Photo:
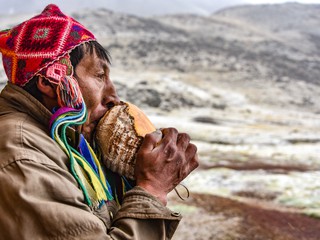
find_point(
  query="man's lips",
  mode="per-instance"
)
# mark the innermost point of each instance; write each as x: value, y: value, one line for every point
x: 93, y: 124
x: 94, y: 119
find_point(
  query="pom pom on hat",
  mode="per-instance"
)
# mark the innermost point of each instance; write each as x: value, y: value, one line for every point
x: 31, y: 47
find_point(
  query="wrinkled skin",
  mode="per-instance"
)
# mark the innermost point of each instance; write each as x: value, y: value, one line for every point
x: 97, y: 90
x: 165, y: 158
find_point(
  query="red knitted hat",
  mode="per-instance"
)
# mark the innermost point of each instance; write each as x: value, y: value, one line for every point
x: 33, y: 46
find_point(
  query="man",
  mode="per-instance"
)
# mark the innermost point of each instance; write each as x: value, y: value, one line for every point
x: 52, y: 185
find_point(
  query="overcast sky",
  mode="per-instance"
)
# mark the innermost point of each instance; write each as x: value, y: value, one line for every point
x: 138, y: 7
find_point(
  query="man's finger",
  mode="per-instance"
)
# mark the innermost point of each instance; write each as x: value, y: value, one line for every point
x: 151, y: 140
x: 191, y: 151
x: 183, y: 141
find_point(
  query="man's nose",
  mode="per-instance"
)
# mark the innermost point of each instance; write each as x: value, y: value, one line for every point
x: 111, y: 98
x: 112, y: 101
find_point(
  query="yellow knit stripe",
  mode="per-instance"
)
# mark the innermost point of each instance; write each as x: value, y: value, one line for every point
x: 95, y: 181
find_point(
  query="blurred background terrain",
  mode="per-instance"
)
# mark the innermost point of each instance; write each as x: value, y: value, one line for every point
x: 243, y: 81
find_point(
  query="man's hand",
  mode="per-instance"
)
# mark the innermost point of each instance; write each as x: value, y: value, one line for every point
x: 165, y: 158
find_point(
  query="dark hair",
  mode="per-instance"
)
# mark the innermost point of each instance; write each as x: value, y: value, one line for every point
x: 76, y: 56
x: 31, y: 87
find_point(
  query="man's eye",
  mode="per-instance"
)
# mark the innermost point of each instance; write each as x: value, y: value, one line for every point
x: 101, y: 75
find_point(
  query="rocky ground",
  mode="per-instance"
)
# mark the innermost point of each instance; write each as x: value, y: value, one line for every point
x: 209, y: 216
x: 259, y: 163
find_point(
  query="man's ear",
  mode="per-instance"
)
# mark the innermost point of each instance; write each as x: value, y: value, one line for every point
x: 46, y: 88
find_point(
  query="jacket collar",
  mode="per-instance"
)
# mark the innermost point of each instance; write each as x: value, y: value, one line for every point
x: 18, y: 100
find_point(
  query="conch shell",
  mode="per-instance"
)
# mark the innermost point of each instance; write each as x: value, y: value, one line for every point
x: 119, y: 135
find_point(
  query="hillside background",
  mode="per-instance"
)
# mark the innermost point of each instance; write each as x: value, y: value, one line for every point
x: 244, y: 83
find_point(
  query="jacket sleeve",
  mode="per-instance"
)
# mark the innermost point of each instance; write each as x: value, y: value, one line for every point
x: 40, y: 201
x: 145, y: 216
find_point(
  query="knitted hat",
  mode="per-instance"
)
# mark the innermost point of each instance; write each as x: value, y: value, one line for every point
x: 40, y: 46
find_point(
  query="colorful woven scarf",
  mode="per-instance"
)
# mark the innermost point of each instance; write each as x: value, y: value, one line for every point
x: 92, y: 181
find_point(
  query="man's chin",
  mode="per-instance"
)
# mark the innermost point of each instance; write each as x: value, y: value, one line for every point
x: 88, y: 131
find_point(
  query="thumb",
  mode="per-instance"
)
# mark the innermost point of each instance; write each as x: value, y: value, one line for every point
x: 151, y: 140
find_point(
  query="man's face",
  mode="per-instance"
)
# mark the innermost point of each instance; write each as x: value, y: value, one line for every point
x: 97, y: 89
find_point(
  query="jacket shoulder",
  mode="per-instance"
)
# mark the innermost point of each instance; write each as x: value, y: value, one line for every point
x: 22, y: 137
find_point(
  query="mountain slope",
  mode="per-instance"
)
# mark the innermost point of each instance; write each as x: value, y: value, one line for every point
x: 253, y: 48
x: 227, y: 41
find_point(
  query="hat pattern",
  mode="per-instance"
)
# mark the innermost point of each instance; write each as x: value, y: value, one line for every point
x: 38, y: 42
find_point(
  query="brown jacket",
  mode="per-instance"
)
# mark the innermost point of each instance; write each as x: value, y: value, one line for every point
x: 40, y: 199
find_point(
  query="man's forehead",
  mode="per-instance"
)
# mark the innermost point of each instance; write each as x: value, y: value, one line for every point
x: 92, y: 58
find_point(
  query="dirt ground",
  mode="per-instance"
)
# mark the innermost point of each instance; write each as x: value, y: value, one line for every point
x: 218, y: 218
